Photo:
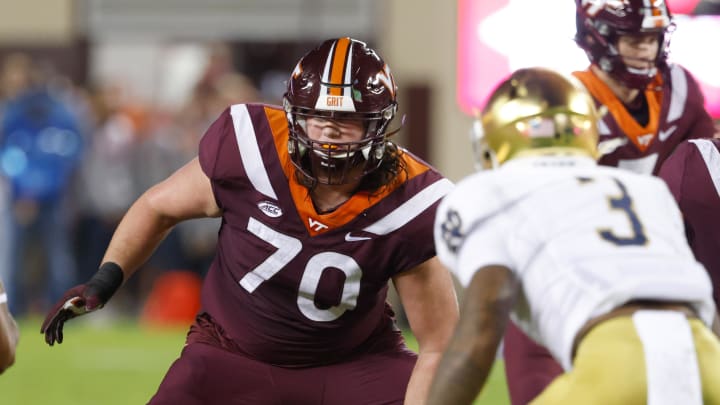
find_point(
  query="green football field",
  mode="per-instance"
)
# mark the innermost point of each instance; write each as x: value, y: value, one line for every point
x: 114, y: 363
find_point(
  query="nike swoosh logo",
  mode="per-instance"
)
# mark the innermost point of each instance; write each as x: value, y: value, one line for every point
x: 663, y: 135
x: 350, y: 238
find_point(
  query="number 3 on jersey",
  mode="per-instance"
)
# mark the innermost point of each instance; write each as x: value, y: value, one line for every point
x: 624, y: 203
x: 289, y: 247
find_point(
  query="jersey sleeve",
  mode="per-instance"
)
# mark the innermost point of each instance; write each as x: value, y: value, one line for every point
x: 703, y: 125
x: 218, y: 152
x: 682, y: 178
x: 418, y: 246
x: 416, y: 238
x: 470, y: 232
x: 484, y: 246
x: 673, y: 169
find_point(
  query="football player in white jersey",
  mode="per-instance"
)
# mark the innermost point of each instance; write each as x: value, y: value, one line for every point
x: 590, y: 261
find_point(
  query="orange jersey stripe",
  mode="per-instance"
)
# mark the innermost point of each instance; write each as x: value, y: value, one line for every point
x: 641, y: 136
x: 339, y: 62
x: 301, y: 196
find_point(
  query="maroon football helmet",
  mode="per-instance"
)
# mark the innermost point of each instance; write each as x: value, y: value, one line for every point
x: 340, y: 79
x: 601, y: 22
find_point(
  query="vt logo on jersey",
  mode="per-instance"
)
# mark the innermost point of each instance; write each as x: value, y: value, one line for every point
x: 644, y: 140
x: 316, y: 226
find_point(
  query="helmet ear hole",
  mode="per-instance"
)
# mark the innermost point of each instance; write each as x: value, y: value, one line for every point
x: 485, y: 158
x: 488, y: 157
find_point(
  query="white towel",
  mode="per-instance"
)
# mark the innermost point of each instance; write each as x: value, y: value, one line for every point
x: 671, y: 365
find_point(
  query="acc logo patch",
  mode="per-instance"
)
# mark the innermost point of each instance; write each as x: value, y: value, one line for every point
x: 451, y: 230
x: 270, y: 209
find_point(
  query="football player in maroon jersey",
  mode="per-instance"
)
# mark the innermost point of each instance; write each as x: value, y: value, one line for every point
x: 693, y: 174
x: 651, y: 106
x: 319, y: 211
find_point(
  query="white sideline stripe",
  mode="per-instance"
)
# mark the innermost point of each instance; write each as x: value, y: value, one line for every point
x: 411, y: 208
x: 250, y: 150
x: 679, y: 93
x: 711, y: 156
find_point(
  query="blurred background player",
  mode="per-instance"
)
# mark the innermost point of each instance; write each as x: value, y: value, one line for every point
x: 693, y: 174
x: 319, y: 211
x: 652, y: 104
x: 9, y: 333
x: 590, y: 261
x: 648, y: 106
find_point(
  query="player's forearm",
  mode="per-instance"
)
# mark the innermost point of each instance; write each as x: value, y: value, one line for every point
x: 421, y: 378
x: 138, y: 235
x: 461, y: 377
x: 469, y: 357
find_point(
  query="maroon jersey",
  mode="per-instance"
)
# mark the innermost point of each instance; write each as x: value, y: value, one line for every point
x: 693, y: 175
x: 293, y: 287
x: 676, y: 113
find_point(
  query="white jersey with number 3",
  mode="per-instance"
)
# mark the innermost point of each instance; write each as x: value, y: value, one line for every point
x: 583, y: 239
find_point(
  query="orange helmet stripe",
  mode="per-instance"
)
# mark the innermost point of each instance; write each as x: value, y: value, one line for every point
x: 339, y: 64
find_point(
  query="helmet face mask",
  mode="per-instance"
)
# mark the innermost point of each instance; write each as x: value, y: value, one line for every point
x: 342, y: 79
x: 601, y: 23
x: 334, y: 162
x: 535, y: 111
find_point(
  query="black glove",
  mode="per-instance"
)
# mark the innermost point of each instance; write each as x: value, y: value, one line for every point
x: 82, y: 299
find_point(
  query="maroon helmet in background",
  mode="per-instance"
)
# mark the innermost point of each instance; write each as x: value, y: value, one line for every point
x: 601, y: 22
x: 340, y: 79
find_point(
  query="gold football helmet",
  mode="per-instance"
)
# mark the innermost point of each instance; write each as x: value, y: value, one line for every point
x: 535, y: 111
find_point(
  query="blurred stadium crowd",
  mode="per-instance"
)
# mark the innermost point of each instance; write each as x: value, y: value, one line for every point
x: 61, y: 145
x: 99, y: 100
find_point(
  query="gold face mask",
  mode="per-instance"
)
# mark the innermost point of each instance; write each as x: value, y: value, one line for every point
x: 535, y: 111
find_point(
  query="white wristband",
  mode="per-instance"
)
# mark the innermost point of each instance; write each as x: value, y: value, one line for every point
x: 3, y: 298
